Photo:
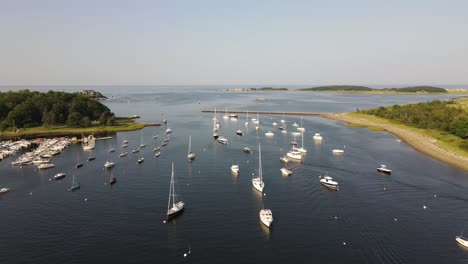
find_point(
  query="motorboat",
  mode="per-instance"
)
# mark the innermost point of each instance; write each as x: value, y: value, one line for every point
x: 111, y: 150
x: 233, y: 116
x: 223, y: 140
x: 269, y: 134
x: 274, y: 123
x: 157, y: 154
x: 317, y: 137
x: 59, y: 176
x: 286, y: 172
x: 168, y: 131
x: 46, y: 166
x: 266, y: 217
x: 108, y: 164
x: 235, y: 169
x: 239, y: 132
x: 338, y: 151
x: 295, y: 124
x: 123, y: 154
x: 140, y: 160
x: 462, y: 241
x: 329, y: 182
x: 4, y: 190
x: 173, y: 208
x: 157, y: 149
x: 247, y: 150
x: 294, y: 155
x: 135, y: 150
x: 384, y: 169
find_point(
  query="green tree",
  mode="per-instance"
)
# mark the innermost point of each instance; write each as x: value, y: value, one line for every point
x: 459, y: 127
x: 74, y: 119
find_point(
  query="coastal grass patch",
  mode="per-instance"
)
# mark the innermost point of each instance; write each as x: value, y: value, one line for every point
x: 443, y: 139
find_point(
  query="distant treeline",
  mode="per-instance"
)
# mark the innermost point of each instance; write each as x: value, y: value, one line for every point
x: 268, y: 89
x: 353, y: 88
x: 441, y: 115
x: 25, y: 109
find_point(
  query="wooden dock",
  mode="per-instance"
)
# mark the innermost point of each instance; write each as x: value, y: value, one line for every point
x: 267, y: 112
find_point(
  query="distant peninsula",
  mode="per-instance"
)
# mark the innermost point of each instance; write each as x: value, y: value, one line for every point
x: 351, y: 89
x: 94, y: 94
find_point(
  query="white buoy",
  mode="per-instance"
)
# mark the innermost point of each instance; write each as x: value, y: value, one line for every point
x: 50, y: 179
x: 264, y: 194
x: 424, y: 207
x: 336, y: 217
x: 86, y: 199
x: 30, y: 193
x: 344, y: 243
x: 395, y: 219
x: 164, y: 221
x: 185, y: 255
x: 435, y: 195
x: 384, y: 189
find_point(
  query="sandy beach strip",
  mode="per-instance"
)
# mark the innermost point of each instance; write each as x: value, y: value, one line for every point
x: 419, y: 142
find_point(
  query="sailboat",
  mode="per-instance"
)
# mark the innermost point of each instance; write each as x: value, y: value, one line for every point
x: 141, y: 144
x: 190, y: 154
x: 301, y: 128
x: 215, y: 128
x: 302, y: 149
x: 88, y: 143
x: 225, y: 116
x: 257, y: 122
x: 75, y: 185
x: 247, y: 119
x: 78, y: 164
x: 173, y: 208
x: 282, y: 120
x: 257, y: 182
x: 266, y: 217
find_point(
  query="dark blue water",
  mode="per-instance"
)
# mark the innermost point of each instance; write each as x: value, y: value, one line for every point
x: 373, y: 218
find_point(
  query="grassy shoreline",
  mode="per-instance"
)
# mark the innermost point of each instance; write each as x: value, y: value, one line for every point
x: 123, y: 124
x: 437, y: 144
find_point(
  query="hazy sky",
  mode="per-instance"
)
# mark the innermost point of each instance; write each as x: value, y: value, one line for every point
x: 236, y: 42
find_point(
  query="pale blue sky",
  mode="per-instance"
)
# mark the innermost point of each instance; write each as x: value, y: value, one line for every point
x: 200, y: 42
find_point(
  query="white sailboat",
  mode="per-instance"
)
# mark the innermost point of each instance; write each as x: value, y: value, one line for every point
x: 247, y: 119
x: 225, y: 116
x: 257, y: 123
x: 301, y: 128
x: 173, y: 208
x: 88, y: 143
x: 215, y: 127
x: 302, y: 149
x: 190, y: 154
x: 257, y: 181
x: 141, y: 141
x: 282, y: 120
x: 266, y: 217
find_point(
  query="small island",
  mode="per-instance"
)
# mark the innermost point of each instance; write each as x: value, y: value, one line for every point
x: 33, y: 114
x: 353, y: 88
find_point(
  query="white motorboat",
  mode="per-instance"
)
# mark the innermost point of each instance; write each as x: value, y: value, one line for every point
x: 157, y: 154
x: 266, y: 217
x: 286, y: 172
x: 190, y: 154
x: 111, y: 150
x: 294, y: 155
x: 235, y: 169
x: 59, y: 176
x: 269, y: 134
x: 239, y: 132
x: 384, y: 169
x: 223, y: 140
x: 46, y: 166
x: 233, y: 116
x: 4, y: 190
x: 108, y: 164
x: 462, y: 240
x: 247, y: 150
x: 140, y: 160
x: 329, y: 182
x: 257, y: 181
x: 123, y: 154
x: 88, y: 143
x: 295, y: 124
x: 338, y: 151
x: 173, y: 208
x: 317, y: 137
x: 135, y: 150
x: 40, y: 161
x: 275, y: 124
x: 168, y: 131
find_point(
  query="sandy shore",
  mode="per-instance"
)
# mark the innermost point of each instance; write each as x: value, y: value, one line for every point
x: 419, y: 142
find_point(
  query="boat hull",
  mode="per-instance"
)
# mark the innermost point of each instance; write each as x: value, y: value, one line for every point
x: 462, y: 241
x: 329, y: 185
x: 257, y: 184
x: 171, y: 213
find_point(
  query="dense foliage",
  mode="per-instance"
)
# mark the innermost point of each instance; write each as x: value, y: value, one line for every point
x: 352, y: 88
x: 440, y: 115
x: 26, y: 109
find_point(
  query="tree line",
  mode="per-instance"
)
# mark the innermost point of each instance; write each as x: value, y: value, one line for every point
x: 440, y: 115
x: 26, y: 109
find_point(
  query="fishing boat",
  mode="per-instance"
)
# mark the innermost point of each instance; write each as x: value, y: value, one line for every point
x: 247, y: 150
x: 257, y: 181
x: 235, y: 169
x: 75, y: 185
x: 190, y: 154
x: 328, y: 181
x: 46, y: 166
x: 383, y: 168
x: 123, y: 154
x: 59, y: 176
x: 266, y: 217
x: 173, y: 208
x: 285, y: 172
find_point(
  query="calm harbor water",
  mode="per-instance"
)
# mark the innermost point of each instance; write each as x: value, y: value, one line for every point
x: 373, y: 218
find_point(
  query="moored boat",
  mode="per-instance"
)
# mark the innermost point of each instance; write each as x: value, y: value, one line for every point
x: 383, y: 168
x: 59, y: 176
x: 266, y: 217
x: 329, y: 182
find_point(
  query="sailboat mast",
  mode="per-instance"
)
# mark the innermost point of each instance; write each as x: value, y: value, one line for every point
x: 173, y: 189
x: 170, y: 187
x: 260, y: 163
x: 189, y: 145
